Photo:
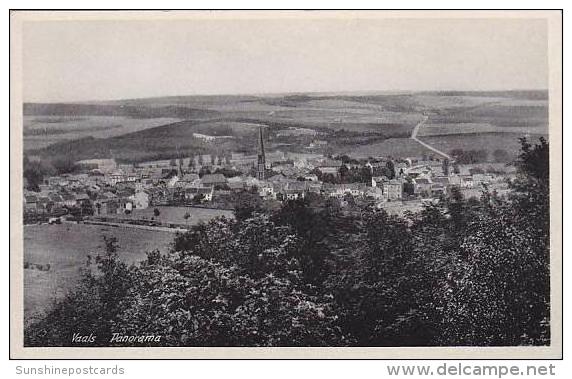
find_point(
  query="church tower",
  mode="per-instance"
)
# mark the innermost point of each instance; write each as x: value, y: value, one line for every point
x: 261, y: 156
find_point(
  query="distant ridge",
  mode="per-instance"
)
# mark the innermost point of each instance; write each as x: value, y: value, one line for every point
x: 134, y: 111
x: 536, y: 94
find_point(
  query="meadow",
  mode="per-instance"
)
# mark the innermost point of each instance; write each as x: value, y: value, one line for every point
x: 42, y: 131
x: 481, y: 141
x: 176, y: 215
x: 393, y: 147
x: 385, y: 120
x: 66, y: 248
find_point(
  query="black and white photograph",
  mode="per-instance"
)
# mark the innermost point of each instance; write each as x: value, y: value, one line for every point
x: 287, y: 179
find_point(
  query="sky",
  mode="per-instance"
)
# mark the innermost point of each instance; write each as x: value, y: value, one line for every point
x: 107, y: 60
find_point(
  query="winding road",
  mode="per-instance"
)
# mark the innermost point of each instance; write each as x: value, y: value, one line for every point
x: 414, y: 137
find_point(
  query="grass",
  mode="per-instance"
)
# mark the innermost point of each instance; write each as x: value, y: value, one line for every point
x: 66, y: 248
x: 391, y: 116
x: 471, y: 128
x: 393, y: 147
x: 481, y: 141
x: 41, y: 131
x: 175, y: 215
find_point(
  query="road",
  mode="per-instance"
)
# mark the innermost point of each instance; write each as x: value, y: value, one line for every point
x: 414, y: 137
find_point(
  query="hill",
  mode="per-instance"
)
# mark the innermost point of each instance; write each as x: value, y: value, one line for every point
x: 348, y: 122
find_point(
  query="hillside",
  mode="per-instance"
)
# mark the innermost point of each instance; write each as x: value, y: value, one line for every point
x: 370, y: 123
x: 118, y: 110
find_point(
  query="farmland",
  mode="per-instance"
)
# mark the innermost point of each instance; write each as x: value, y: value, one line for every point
x: 369, y: 124
x: 175, y: 215
x: 66, y: 248
x: 42, y: 131
x: 485, y: 141
x: 393, y: 147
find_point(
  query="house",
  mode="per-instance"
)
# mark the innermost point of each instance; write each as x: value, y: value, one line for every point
x: 111, y: 207
x: 250, y: 182
x: 44, y: 187
x: 103, y: 165
x: 140, y: 200
x: 271, y: 157
x: 419, y: 172
x: 56, y: 199
x: 157, y: 196
x: 334, y: 190
x: 45, y: 204
x: 281, y: 167
x: 329, y: 166
x: 116, y: 177
x: 400, y: 169
x: 311, y: 177
x: 236, y: 186
x: 438, y: 189
x: 194, y: 192
x: 266, y: 190
x: 422, y: 185
x: 125, y: 205
x: 100, y: 204
x: 317, y: 143
x: 172, y: 181
x: 188, y: 180
x: 455, y: 180
x: 92, y: 187
x: 125, y: 192
x: 217, y: 193
x: 393, y: 189
x: 292, y: 194
x: 292, y: 190
x: 128, y: 205
x: 375, y: 193
x: 315, y: 187
x: 443, y: 180
x: 30, y: 203
x: 81, y: 199
x: 480, y: 179
x: 296, y: 185
x: 302, y: 164
x: 354, y: 189
x: 110, y: 195
x: 57, y: 181
x: 377, y: 181
x: 213, y: 180
x: 69, y: 199
x: 376, y: 165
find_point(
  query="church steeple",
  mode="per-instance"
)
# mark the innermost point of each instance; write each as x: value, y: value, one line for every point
x: 261, y: 156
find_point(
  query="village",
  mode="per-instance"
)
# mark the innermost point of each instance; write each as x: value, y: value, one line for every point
x: 104, y: 188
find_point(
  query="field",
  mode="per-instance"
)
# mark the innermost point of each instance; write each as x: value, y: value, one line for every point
x: 370, y: 124
x: 66, y: 248
x: 485, y: 141
x: 42, y: 131
x: 393, y: 147
x: 175, y: 215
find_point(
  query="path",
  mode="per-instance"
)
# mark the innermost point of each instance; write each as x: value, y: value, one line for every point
x: 414, y: 137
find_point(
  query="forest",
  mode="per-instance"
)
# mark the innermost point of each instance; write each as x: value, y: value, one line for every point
x: 461, y: 272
